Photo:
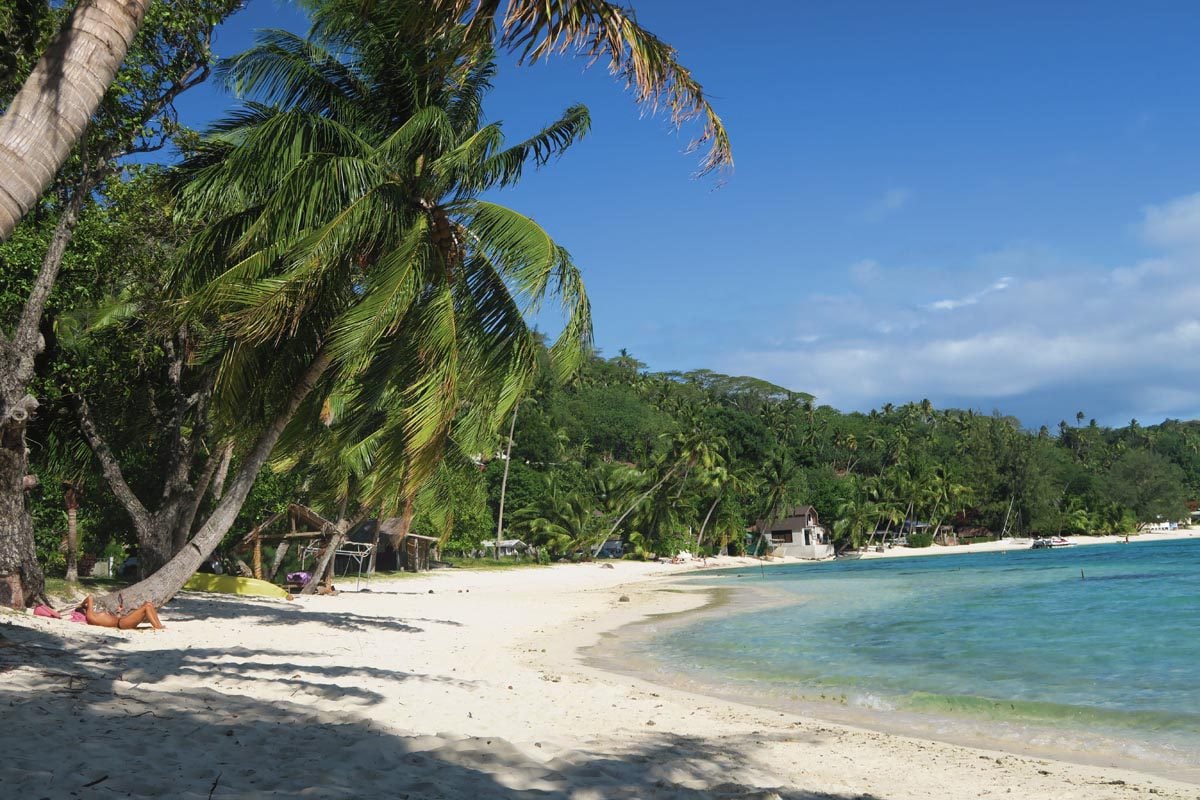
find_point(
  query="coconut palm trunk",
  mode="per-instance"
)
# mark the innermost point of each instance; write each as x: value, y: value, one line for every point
x: 71, y: 500
x: 48, y: 115
x: 163, y: 584
x: 703, y: 525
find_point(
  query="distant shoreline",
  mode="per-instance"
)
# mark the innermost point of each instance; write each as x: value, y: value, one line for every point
x: 1025, y: 543
x: 628, y: 651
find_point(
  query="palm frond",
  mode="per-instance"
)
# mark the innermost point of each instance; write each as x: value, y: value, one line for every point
x: 596, y: 29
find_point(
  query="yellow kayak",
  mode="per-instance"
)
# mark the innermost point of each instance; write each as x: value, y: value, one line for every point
x: 230, y: 584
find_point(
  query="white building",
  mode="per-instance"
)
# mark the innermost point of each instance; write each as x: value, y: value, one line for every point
x: 508, y: 547
x: 799, y: 535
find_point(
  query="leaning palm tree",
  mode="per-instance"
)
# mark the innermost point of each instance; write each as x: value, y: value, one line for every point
x: 44, y: 121
x: 350, y: 269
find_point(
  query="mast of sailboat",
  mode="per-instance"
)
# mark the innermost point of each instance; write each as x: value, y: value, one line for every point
x: 1007, y: 514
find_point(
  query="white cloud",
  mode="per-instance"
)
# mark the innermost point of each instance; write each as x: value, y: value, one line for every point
x: 1121, y: 341
x: 889, y: 203
x: 864, y: 272
x: 971, y: 299
x: 1175, y: 224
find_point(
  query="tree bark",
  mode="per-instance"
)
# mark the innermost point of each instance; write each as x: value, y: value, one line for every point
x: 71, y: 499
x: 19, y: 571
x: 21, y: 578
x: 703, y: 525
x: 374, y: 550
x: 216, y: 459
x: 324, y: 565
x: 163, y: 584
x: 277, y: 561
x: 48, y: 115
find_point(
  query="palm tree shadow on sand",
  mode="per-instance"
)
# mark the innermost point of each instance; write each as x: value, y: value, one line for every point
x: 95, y: 719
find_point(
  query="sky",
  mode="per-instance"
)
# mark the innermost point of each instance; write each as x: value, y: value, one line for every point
x: 992, y: 205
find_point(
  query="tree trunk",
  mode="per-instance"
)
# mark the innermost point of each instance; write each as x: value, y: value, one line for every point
x: 374, y: 550
x: 324, y: 565
x: 629, y: 510
x: 162, y: 585
x: 277, y: 562
x: 71, y: 498
x: 155, y: 547
x: 703, y: 525
x: 183, y: 530
x: 218, y: 484
x: 48, y: 115
x: 21, y: 578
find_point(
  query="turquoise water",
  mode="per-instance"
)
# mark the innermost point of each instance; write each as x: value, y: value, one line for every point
x: 1017, y: 637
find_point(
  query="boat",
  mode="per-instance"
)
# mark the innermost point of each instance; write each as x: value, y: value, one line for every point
x: 1048, y: 543
x: 232, y: 584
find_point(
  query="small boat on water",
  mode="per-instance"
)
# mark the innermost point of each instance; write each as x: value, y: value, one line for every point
x: 1050, y: 543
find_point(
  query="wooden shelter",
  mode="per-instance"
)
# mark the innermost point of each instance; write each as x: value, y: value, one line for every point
x: 321, y: 539
x: 395, y: 547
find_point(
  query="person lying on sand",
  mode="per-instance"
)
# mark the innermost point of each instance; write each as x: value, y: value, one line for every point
x: 124, y: 621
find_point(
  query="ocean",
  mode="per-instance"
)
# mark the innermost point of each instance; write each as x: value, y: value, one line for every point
x: 1088, y: 653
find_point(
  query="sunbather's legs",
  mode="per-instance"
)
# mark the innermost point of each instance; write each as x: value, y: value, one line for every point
x: 145, y: 613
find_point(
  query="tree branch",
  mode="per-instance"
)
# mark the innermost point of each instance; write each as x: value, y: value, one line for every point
x: 25, y: 338
x: 110, y: 467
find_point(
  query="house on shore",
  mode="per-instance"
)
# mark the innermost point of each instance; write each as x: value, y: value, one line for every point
x: 508, y: 548
x: 799, y: 535
x: 612, y: 548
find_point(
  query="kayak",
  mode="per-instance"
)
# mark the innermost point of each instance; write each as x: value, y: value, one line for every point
x: 231, y: 584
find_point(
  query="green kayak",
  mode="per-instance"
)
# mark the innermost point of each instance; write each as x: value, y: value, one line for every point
x: 230, y: 584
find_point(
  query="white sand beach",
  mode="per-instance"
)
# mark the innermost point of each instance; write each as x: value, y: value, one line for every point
x: 453, y: 684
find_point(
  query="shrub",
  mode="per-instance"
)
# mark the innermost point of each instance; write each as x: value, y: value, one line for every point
x: 924, y: 539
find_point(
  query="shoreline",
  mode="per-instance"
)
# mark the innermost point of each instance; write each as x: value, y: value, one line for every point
x: 1025, y: 738
x: 1025, y: 544
x: 449, y: 684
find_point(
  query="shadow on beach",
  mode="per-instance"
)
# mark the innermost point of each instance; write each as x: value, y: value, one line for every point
x: 85, y: 717
x: 196, y: 606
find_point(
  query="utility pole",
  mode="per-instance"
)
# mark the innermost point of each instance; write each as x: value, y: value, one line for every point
x: 504, y: 480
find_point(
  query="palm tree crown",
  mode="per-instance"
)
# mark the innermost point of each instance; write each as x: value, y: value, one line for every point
x: 345, y: 220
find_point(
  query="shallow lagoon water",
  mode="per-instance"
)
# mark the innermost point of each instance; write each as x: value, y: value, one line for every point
x: 1098, y: 643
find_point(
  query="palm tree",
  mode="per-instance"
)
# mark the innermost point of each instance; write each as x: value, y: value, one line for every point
x: 562, y: 521
x: 855, y: 515
x: 46, y: 118
x: 778, y: 490
x: 348, y: 251
x: 725, y: 481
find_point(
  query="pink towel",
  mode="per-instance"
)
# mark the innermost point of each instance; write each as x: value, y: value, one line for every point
x: 46, y: 611
x: 77, y: 616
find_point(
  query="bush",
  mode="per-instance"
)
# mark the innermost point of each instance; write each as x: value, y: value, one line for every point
x: 920, y: 539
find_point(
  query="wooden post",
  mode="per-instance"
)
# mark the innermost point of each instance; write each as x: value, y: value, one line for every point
x: 258, y: 573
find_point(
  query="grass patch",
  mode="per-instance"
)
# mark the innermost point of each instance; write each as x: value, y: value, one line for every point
x: 61, y: 587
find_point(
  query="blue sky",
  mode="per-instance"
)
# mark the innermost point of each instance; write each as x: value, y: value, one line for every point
x: 991, y: 205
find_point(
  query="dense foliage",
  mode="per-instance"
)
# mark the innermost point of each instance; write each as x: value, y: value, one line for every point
x: 702, y: 457
x: 345, y: 212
